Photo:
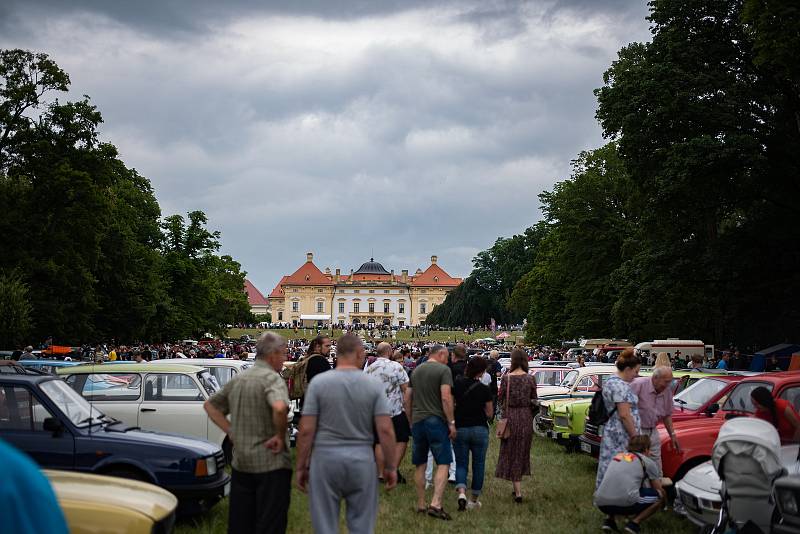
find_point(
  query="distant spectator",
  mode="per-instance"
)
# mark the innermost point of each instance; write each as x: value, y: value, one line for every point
x: 737, y: 362
x: 773, y: 364
x: 138, y: 358
x: 723, y: 362
x: 28, y: 354
x: 459, y: 361
x: 779, y: 412
x: 662, y: 360
x: 697, y: 362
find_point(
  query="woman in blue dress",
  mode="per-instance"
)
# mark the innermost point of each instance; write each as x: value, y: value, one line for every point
x: 624, y: 421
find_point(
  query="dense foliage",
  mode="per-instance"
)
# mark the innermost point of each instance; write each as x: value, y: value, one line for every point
x: 686, y: 223
x: 82, y: 235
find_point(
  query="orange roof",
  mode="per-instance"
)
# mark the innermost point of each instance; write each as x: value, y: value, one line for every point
x: 254, y: 296
x: 278, y: 291
x: 308, y: 275
x: 435, y: 276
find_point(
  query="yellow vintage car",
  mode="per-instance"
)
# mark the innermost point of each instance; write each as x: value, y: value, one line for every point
x: 112, y: 505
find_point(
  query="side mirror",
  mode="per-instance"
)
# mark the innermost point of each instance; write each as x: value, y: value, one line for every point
x: 51, y: 424
x: 712, y: 409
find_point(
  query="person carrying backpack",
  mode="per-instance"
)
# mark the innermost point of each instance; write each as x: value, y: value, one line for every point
x: 315, y: 362
x: 622, y: 490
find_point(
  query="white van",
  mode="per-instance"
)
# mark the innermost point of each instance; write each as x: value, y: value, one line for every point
x: 673, y: 346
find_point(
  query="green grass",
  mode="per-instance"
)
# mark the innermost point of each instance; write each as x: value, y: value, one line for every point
x: 402, y: 335
x: 558, y: 498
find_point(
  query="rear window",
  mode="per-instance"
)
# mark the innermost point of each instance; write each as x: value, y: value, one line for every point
x: 112, y: 387
x: 739, y: 399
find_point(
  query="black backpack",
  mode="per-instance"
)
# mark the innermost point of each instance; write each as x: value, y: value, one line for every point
x: 598, y: 415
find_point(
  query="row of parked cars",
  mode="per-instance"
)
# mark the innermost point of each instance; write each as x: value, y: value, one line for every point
x: 703, y: 401
x: 138, y: 422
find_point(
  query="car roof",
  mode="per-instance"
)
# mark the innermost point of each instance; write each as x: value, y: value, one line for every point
x: 53, y: 363
x: 28, y: 379
x: 203, y: 361
x: 131, y: 368
x: 9, y: 362
x: 549, y: 368
x: 776, y: 378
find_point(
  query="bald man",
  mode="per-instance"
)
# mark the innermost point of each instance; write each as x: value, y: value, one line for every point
x: 394, y: 381
x: 655, y: 406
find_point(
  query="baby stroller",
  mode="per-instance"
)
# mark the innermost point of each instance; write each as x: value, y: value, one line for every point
x: 747, y: 458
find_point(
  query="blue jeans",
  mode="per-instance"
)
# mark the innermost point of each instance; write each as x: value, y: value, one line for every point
x: 431, y: 434
x: 475, y: 440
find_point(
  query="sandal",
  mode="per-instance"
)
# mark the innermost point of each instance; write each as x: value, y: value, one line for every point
x: 438, y: 513
x: 421, y: 510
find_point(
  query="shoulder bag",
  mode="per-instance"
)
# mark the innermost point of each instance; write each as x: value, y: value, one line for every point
x: 503, y: 430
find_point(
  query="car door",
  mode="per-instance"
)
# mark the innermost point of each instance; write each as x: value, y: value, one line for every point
x: 22, y: 415
x: 173, y: 402
x: 115, y: 394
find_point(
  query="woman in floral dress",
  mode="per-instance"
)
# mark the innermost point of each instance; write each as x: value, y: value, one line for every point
x: 515, y: 451
x: 624, y: 422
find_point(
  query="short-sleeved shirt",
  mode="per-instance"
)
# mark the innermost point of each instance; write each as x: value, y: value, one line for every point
x: 248, y: 398
x: 426, y: 383
x: 392, y: 376
x: 623, y: 478
x: 722, y: 364
x: 653, y: 406
x: 345, y: 403
x: 783, y: 424
x: 470, y: 397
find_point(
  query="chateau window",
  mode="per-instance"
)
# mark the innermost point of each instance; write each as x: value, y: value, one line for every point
x: 401, y: 308
x: 341, y: 307
x: 294, y: 290
x: 356, y: 291
x: 280, y: 316
x: 423, y: 307
x: 385, y: 307
x: 355, y: 307
x: 372, y: 291
x: 386, y: 291
x: 320, y: 308
x: 295, y: 306
x: 320, y: 290
x: 372, y: 307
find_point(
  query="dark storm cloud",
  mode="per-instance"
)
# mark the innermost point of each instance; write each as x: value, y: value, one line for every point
x: 403, y: 129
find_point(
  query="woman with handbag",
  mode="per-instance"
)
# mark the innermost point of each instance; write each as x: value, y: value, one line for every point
x: 517, y: 397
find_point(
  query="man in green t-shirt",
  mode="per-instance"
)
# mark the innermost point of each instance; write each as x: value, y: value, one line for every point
x: 433, y: 426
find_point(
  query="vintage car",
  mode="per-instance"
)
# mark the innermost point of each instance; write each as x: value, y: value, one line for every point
x: 699, y: 489
x: 222, y: 369
x: 112, y: 505
x: 696, y: 436
x: 153, y: 396
x: 580, y: 383
x: 48, y: 366
x: 548, y: 375
x: 13, y: 367
x: 691, y: 401
x: 43, y: 417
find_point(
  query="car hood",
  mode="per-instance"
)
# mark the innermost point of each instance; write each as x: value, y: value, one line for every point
x: 546, y: 391
x: 83, y: 490
x: 559, y: 405
x: 705, y: 478
x: 121, y: 433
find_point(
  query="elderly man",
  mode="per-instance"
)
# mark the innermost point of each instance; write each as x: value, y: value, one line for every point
x: 258, y: 403
x: 655, y: 406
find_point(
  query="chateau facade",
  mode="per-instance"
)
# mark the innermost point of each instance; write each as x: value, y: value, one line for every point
x: 371, y: 295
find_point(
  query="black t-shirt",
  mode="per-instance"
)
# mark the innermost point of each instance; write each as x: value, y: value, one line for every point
x: 470, y: 403
x: 492, y: 370
x: 458, y: 367
x: 316, y: 365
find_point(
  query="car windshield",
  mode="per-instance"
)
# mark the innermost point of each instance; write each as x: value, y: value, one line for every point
x: 210, y: 383
x: 699, y: 393
x: 739, y: 399
x: 75, y: 407
x: 570, y: 379
x: 547, y: 378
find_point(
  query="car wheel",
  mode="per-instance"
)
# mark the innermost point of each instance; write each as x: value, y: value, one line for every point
x: 537, y: 426
x: 129, y: 473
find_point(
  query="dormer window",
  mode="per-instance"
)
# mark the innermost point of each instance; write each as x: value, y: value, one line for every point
x: 308, y: 278
x: 436, y: 279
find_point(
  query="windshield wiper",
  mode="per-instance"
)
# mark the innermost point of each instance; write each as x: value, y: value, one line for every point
x: 680, y: 401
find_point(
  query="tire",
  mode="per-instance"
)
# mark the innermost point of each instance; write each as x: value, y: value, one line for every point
x: 537, y: 428
x: 129, y: 473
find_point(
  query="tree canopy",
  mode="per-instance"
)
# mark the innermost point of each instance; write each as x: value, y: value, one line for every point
x: 82, y: 234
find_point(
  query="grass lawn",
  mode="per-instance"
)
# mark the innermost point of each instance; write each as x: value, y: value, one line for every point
x: 402, y: 335
x: 558, y: 499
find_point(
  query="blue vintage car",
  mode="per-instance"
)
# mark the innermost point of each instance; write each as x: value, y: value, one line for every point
x: 47, y: 366
x: 42, y: 416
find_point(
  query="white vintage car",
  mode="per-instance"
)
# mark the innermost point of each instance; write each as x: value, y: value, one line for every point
x: 223, y: 369
x: 153, y: 396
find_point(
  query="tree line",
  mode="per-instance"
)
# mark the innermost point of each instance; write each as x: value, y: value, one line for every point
x: 687, y: 222
x: 86, y: 253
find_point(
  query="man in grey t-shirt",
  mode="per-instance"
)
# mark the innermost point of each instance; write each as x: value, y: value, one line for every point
x: 335, y: 459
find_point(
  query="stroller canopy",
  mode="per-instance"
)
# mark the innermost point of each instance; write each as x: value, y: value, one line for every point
x: 750, y: 437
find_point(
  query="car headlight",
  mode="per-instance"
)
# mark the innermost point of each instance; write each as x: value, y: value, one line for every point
x: 205, y: 467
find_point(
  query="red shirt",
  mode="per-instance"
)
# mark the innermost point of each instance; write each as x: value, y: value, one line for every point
x: 784, y: 425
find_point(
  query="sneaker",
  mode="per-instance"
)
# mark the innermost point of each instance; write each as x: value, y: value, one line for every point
x: 474, y: 505
x: 462, y: 502
x: 609, y: 525
x: 632, y: 528
x: 427, y: 485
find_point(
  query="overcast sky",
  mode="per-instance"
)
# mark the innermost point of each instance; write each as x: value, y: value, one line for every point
x: 342, y: 127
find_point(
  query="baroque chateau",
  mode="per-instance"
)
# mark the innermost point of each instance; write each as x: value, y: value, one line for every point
x: 370, y: 295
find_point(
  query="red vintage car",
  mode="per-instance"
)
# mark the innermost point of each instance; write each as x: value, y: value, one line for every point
x: 700, y: 399
x: 697, y: 436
